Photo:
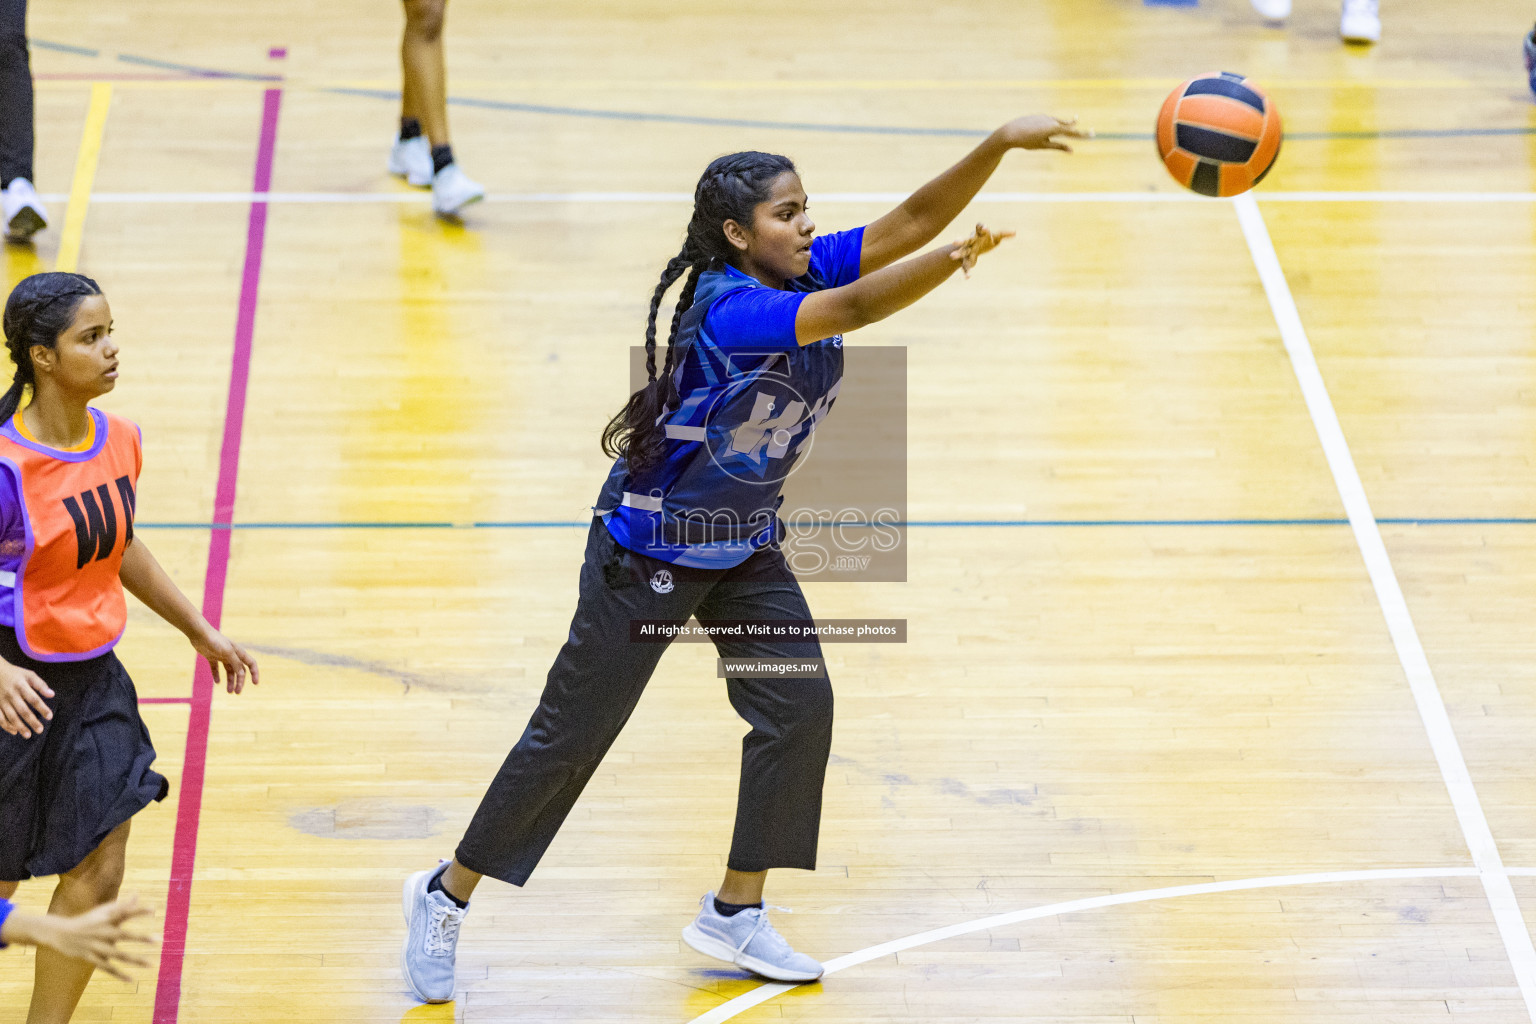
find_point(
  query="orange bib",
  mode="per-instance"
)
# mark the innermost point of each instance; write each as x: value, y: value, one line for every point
x: 78, y: 511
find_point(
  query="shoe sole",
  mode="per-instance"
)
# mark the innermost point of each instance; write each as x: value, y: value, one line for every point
x: 720, y: 951
x: 1362, y: 39
x: 24, y: 225
x: 407, y: 898
x: 413, y: 182
x: 401, y: 172
x: 455, y: 211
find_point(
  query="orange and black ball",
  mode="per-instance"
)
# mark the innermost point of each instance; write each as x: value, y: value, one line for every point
x: 1218, y: 134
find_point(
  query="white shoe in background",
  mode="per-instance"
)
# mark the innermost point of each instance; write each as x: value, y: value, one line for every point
x: 411, y: 159
x: 452, y: 190
x: 1273, y: 10
x: 1361, y: 22
x: 24, y: 213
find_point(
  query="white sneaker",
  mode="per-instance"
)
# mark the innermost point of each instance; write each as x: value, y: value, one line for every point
x: 411, y: 159
x: 432, y: 923
x: 452, y: 190
x: 748, y: 940
x: 24, y: 213
x: 1361, y: 22
x: 1273, y: 10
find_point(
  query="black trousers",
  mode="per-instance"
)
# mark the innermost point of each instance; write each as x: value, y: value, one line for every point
x: 15, y: 94
x: 597, y: 680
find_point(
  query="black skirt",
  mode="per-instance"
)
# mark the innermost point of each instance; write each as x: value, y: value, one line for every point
x: 63, y: 792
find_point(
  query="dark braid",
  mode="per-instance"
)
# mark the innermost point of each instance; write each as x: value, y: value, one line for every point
x: 40, y: 308
x: 677, y: 266
x: 730, y: 189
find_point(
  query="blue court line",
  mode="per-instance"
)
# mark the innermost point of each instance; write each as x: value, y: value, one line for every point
x: 1490, y: 521
x: 875, y: 129
x: 539, y: 524
x: 83, y: 51
x: 362, y: 525
x: 1407, y: 133
x: 713, y: 122
x: 189, y: 69
x: 129, y: 58
x: 1123, y: 522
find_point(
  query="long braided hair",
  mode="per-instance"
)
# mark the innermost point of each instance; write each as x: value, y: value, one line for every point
x: 41, y: 308
x: 730, y: 189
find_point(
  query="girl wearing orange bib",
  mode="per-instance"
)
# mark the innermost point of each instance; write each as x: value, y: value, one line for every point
x: 75, y: 757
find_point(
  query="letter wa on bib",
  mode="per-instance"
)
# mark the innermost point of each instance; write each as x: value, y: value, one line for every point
x: 78, y: 511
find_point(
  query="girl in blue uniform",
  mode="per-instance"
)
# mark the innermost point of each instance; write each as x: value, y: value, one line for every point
x: 686, y: 526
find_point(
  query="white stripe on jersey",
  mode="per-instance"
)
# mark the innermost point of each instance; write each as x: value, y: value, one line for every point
x: 648, y: 502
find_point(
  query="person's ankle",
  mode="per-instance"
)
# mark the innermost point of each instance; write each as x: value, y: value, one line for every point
x: 436, y: 885
x: 727, y: 909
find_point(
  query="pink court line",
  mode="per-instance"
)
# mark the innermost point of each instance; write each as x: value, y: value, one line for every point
x: 190, y: 801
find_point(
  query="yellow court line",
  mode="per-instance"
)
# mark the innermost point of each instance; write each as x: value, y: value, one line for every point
x: 85, y: 177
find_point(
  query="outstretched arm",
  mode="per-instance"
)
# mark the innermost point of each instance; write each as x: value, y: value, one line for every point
x: 930, y: 209
x: 869, y: 299
x: 144, y: 578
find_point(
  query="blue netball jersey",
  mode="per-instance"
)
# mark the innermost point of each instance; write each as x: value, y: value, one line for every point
x: 750, y: 400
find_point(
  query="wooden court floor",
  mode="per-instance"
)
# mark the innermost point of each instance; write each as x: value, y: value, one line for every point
x: 1219, y: 698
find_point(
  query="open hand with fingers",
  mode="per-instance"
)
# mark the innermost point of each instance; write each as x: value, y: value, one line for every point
x: 94, y: 936
x: 22, y: 707
x: 967, y: 250
x: 217, y: 649
x: 1040, y: 131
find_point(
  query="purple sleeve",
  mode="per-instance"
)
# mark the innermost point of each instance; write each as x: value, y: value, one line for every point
x: 5, y: 912
x: 754, y: 318
x: 835, y: 257
x: 13, y: 541
x: 13, y: 532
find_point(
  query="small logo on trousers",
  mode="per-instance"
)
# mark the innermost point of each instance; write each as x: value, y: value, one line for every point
x: 661, y: 582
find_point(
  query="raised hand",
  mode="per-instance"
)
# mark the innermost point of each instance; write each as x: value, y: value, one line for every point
x: 1039, y: 131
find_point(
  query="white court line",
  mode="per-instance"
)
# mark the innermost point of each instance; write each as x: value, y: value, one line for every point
x: 1410, y: 652
x: 744, y: 1002
x: 1397, y: 197
x: 533, y: 198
